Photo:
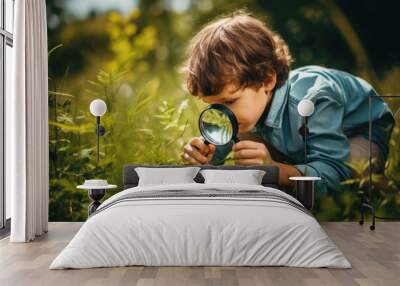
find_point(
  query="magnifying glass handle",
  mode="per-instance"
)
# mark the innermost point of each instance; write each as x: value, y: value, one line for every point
x: 235, y: 139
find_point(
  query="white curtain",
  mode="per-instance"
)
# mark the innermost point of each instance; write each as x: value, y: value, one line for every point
x: 27, y: 124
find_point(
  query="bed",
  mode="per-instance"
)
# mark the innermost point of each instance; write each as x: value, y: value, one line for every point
x: 201, y: 224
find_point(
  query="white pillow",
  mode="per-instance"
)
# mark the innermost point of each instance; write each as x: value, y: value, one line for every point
x: 250, y: 177
x: 163, y: 176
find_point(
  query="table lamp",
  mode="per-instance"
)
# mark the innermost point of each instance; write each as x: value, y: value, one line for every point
x: 98, y: 108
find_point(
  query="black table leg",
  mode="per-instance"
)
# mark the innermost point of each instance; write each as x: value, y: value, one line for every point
x: 305, y: 193
x: 95, y: 195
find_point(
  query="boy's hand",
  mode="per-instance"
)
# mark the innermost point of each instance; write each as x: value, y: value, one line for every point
x: 248, y: 152
x: 196, y: 152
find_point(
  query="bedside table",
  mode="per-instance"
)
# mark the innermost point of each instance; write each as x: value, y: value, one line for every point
x: 96, y: 190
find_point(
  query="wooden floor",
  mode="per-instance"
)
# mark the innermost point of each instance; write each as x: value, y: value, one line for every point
x: 375, y: 257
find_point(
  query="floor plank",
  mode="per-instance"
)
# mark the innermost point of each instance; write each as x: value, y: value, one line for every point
x: 374, y: 255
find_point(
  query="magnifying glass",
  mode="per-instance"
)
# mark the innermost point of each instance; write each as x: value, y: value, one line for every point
x: 218, y: 125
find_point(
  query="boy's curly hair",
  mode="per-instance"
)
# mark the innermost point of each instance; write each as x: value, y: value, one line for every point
x: 238, y: 49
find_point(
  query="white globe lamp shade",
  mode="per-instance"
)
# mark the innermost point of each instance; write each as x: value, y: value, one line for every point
x: 98, y: 107
x: 305, y: 107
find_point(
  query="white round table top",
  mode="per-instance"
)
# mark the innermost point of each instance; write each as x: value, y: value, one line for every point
x: 304, y: 178
x: 91, y: 187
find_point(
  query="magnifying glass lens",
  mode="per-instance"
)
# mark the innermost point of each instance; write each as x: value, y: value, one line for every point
x: 218, y: 125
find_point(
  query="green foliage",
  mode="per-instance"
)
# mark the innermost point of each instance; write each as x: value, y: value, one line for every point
x: 138, y: 135
x: 141, y: 127
x: 129, y: 46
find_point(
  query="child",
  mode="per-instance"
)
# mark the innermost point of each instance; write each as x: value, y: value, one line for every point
x: 239, y: 62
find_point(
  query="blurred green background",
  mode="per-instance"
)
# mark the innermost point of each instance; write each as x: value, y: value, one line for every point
x: 129, y: 53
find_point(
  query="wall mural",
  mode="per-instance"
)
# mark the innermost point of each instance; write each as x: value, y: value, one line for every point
x: 131, y: 56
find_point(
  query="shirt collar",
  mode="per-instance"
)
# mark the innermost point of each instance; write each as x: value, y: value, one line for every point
x: 275, y: 112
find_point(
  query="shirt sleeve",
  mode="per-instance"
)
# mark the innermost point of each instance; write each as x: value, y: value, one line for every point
x: 220, y: 154
x: 328, y: 147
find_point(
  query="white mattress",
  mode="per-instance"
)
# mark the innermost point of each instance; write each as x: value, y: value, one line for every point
x: 206, y: 231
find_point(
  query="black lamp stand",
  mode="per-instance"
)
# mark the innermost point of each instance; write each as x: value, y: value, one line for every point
x: 367, y: 204
x: 303, y: 131
x: 100, y: 131
x: 96, y: 194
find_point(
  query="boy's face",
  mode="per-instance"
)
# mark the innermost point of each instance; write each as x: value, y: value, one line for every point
x: 247, y: 104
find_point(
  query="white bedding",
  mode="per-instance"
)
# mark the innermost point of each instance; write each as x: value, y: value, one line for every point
x: 183, y: 231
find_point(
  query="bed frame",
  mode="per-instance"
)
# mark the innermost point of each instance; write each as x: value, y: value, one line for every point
x: 270, y: 179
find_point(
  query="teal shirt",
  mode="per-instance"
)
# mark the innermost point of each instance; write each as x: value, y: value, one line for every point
x: 341, y: 111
